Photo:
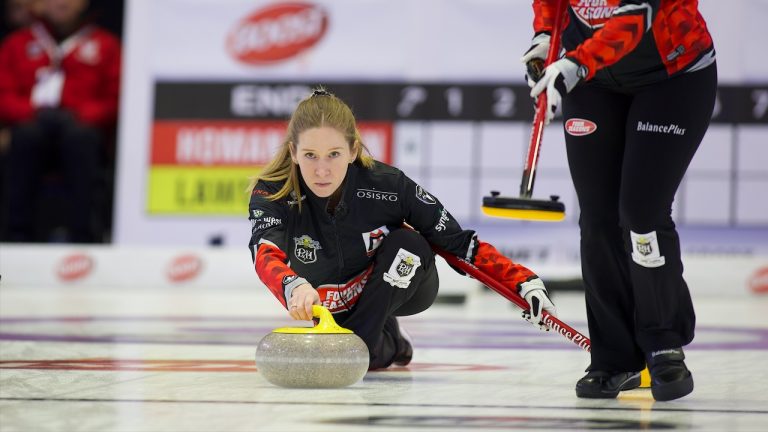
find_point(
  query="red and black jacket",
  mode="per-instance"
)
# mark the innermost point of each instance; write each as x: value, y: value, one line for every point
x: 335, y: 253
x: 625, y: 43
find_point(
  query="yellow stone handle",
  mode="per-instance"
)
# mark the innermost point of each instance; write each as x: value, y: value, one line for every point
x: 326, y: 324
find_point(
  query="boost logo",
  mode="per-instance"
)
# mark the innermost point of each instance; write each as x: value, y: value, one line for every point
x: 184, y: 268
x: 75, y: 266
x: 277, y: 32
x: 758, y: 283
x: 580, y: 127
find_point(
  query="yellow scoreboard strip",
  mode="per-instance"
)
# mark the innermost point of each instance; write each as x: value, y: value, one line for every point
x: 196, y: 190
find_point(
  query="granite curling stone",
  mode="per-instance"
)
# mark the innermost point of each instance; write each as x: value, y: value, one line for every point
x: 323, y: 356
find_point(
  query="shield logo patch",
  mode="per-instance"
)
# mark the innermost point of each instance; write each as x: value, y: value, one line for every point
x: 645, y: 249
x: 305, y: 249
x: 403, y: 269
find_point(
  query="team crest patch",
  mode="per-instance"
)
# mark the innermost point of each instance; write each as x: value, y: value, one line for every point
x: 424, y: 196
x: 305, y: 249
x: 403, y: 269
x: 373, y: 239
x: 645, y: 250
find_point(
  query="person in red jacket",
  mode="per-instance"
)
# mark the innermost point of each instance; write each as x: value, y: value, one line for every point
x: 59, y: 84
x: 328, y: 228
x: 637, y: 85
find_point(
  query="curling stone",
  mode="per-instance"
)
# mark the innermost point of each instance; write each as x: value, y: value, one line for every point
x: 323, y: 356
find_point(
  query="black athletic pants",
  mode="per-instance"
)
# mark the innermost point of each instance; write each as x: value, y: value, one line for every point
x: 396, y: 287
x: 626, y: 173
x: 56, y: 141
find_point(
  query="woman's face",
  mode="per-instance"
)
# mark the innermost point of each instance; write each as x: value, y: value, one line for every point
x: 322, y: 155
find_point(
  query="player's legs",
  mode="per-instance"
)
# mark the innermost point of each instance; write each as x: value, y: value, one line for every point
x: 665, y: 126
x: 403, y: 282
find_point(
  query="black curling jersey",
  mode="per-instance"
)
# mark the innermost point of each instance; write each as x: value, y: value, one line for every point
x: 334, y: 253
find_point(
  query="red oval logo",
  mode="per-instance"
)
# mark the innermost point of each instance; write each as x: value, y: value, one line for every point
x: 75, y: 266
x: 184, y: 268
x: 758, y: 283
x: 277, y: 32
x: 580, y: 127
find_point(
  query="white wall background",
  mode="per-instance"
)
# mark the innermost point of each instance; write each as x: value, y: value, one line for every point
x: 428, y: 41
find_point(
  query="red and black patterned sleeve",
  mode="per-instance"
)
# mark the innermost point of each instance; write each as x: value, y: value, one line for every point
x: 543, y: 16
x: 493, y: 263
x: 268, y: 248
x: 619, y: 36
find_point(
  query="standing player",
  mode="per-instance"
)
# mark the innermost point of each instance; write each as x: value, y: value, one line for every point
x: 327, y: 228
x: 637, y: 85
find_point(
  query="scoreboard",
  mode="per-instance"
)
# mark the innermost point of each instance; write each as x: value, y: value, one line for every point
x: 459, y: 139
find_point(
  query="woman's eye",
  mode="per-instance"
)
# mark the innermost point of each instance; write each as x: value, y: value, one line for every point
x: 334, y: 154
x: 309, y: 155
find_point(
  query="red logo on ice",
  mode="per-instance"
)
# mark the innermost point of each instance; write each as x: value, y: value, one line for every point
x: 75, y: 266
x: 580, y: 127
x: 277, y: 32
x: 758, y: 283
x: 184, y: 268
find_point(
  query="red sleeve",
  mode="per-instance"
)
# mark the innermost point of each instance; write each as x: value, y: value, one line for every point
x: 14, y: 106
x: 543, y: 15
x: 620, y: 35
x: 272, y: 269
x: 103, y: 110
x: 501, y: 268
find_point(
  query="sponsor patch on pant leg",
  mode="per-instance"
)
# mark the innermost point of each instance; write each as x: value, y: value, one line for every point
x: 403, y: 269
x: 645, y: 249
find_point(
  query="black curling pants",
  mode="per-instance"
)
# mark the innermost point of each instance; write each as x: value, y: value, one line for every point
x: 626, y: 173
x: 395, y: 287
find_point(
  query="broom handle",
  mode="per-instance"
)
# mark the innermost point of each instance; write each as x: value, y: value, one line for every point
x: 537, y: 131
x: 550, y: 320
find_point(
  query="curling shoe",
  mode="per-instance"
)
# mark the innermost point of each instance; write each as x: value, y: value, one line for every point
x: 606, y: 385
x: 404, y: 352
x: 670, y: 379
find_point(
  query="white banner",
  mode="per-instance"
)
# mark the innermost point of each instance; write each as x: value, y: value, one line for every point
x: 196, y: 42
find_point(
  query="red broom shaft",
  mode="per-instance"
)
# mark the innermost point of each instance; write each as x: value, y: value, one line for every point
x: 551, y: 321
x: 529, y: 171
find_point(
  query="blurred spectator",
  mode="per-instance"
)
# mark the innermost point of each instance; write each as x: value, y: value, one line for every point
x: 59, y: 83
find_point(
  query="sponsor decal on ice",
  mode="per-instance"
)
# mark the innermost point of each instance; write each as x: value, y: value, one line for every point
x: 376, y: 195
x: 277, y: 32
x: 645, y: 250
x: 184, y: 268
x: 305, y: 249
x: 373, y: 239
x: 580, y: 127
x: 74, y: 267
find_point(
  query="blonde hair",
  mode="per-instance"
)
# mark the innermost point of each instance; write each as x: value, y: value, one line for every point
x: 320, y: 109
